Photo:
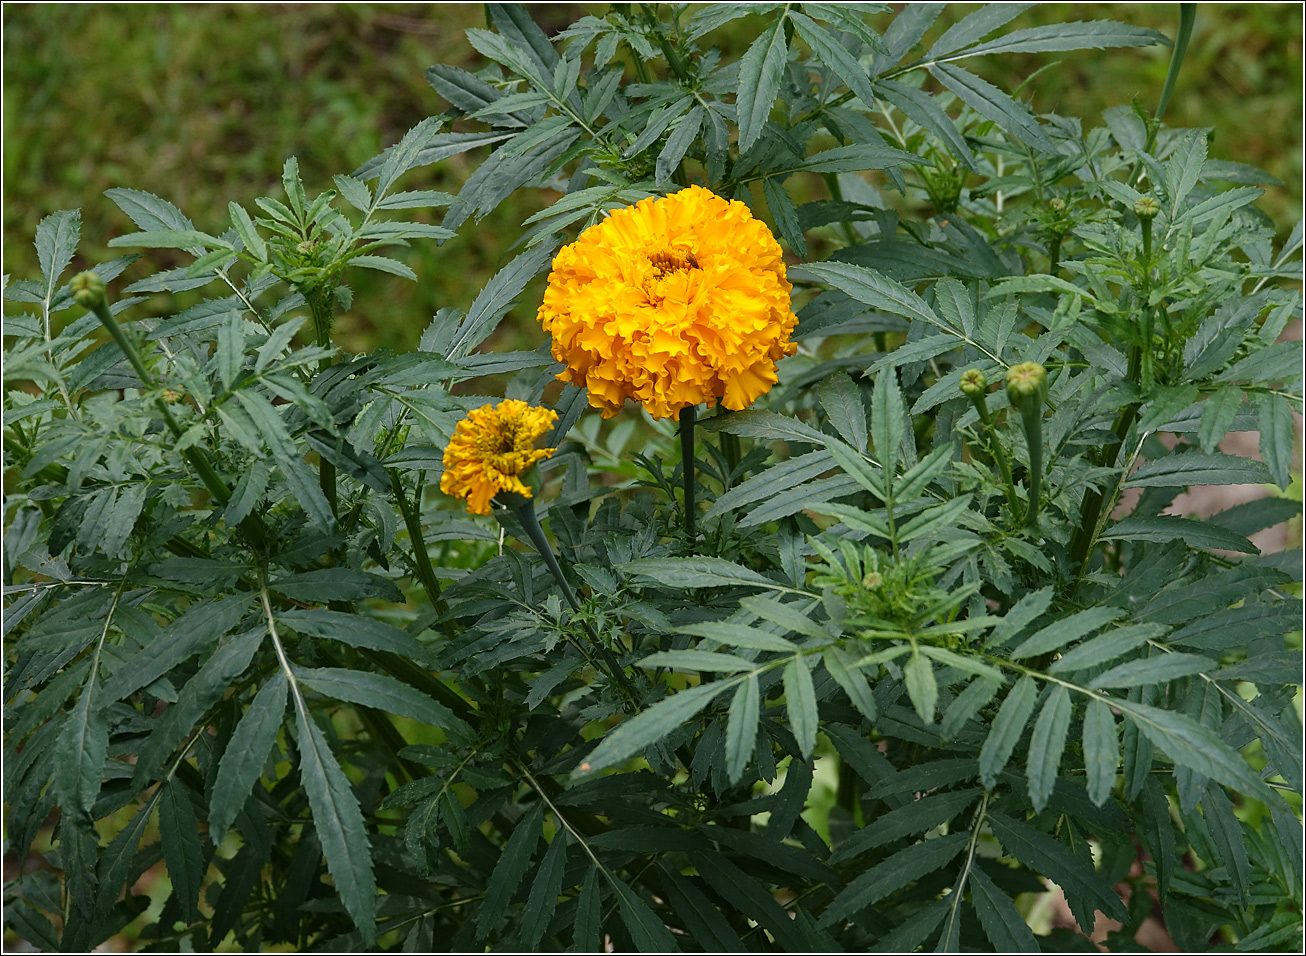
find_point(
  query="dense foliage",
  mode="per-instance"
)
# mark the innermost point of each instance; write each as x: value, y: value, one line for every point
x: 917, y: 655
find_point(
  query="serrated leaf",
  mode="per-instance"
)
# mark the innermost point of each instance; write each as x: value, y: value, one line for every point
x: 383, y: 264
x: 991, y: 103
x: 800, y: 702
x: 1198, y: 468
x: 1218, y: 413
x: 1107, y: 647
x: 171, y: 239
x: 741, y: 727
x: 768, y: 426
x: 82, y: 747
x: 1070, y: 628
x: 545, y: 890
x: 1002, y: 922
x: 1157, y: 669
x: 246, y: 752
x: 841, y: 398
x: 355, y: 630
x: 916, y: 816
x: 509, y: 871
x: 709, y: 661
x: 891, y: 874
x: 1197, y: 534
x: 648, y: 727
x: 587, y: 930
x: 852, y: 681
x: 647, y: 931
x: 1091, y: 35
x: 1101, y: 750
x: 785, y: 214
x: 180, y: 838
x: 760, y: 72
x: 495, y: 299
x: 1006, y: 729
x: 740, y: 635
x: 294, y: 469
x: 1047, y: 745
x: 922, y: 688
x: 1085, y: 890
x: 1191, y: 745
x: 339, y: 825
x: 56, y: 244
x: 966, y: 705
x: 677, y: 144
x: 336, y: 584
x: 1275, y: 415
x: 874, y: 289
x: 696, y: 573
x: 382, y: 692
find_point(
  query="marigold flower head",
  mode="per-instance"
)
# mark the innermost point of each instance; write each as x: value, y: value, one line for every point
x: 490, y: 449
x: 671, y: 302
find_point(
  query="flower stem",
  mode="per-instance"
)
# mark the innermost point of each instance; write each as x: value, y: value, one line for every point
x: 412, y: 521
x: 1032, y: 416
x: 688, y: 416
x: 997, y: 450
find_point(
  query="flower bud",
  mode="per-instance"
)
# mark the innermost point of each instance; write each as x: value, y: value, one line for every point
x: 1057, y: 204
x: 1146, y: 208
x: 973, y: 383
x: 1027, y: 385
x: 87, y: 289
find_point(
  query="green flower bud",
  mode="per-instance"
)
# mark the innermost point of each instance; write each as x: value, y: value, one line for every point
x: 87, y: 289
x: 1146, y: 208
x: 973, y: 383
x: 1027, y: 385
x: 1057, y: 204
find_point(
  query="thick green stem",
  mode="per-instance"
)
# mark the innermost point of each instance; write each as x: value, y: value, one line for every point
x: 688, y: 416
x: 422, y: 560
x: 998, y: 451
x: 1032, y: 416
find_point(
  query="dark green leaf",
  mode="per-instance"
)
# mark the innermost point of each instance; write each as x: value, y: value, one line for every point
x: 1101, y: 750
x: 648, y: 727
x: 509, y: 871
x: 1198, y: 468
x: 991, y: 103
x: 382, y: 692
x: 921, y: 686
x: 179, y: 835
x: 587, y: 933
x: 1047, y: 744
x: 1198, y: 534
x: 1002, y: 922
x: 545, y: 889
x: 647, y: 931
x: 336, y: 584
x: 82, y: 748
x: 759, y: 82
x: 1067, y: 629
x: 355, y: 630
x: 917, y: 816
x: 741, y: 727
x: 1101, y: 650
x: 695, y: 573
x: 1006, y: 729
x: 1156, y: 669
x: 891, y: 874
x: 800, y: 701
x: 246, y: 751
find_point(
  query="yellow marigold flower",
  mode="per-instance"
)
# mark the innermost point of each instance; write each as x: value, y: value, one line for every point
x: 672, y: 302
x: 489, y: 450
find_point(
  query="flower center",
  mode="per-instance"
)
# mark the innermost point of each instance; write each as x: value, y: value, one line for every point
x: 667, y: 262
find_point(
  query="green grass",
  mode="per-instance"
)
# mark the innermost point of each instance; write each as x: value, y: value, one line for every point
x: 202, y: 103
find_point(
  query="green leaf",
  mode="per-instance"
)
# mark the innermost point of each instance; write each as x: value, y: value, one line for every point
x: 976, y: 26
x: 842, y: 400
x: 963, y: 662
x: 180, y: 838
x: 171, y: 239
x: 498, y: 296
x: 1101, y: 750
x: 648, y: 727
x: 647, y: 931
x: 1198, y: 468
x: 246, y: 752
x: 587, y: 931
x: 845, y: 159
x: 382, y: 692
x: 891, y: 874
x: 888, y: 420
x: 1023, y: 285
x: 785, y: 214
x: 760, y: 72
x: 874, y: 289
x: 932, y: 519
x: 1093, y: 35
x: 56, y: 244
x: 916, y: 816
x: 303, y: 483
x: 1070, y: 628
x: 858, y: 468
x: 1114, y: 643
x: 1229, y: 839
x: 1157, y: 669
x: 82, y: 748
x: 744, y: 893
x: 677, y: 144
x: 852, y: 680
x: 741, y: 727
x: 1191, y: 745
x: 1158, y: 834
x: 800, y: 701
x: 1002, y: 922
x: 787, y: 616
x: 991, y: 103
x: 383, y: 264
x: 966, y: 705
x: 339, y: 824
x: 509, y: 871
x: 1275, y: 414
x: 356, y: 630
x: 1006, y: 729
x: 1047, y: 745
x: 1085, y: 890
x: 921, y: 685
x: 1197, y: 534
x: 767, y: 426
x: 698, y: 661
x: 740, y: 635
x: 696, y: 573
x: 1025, y: 611
x: 545, y: 890
x: 833, y: 55
x: 336, y: 584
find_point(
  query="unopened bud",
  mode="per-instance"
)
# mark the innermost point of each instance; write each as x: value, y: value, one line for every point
x: 87, y: 289
x: 1057, y: 204
x: 872, y: 580
x: 1146, y: 208
x: 1027, y: 385
x: 973, y: 383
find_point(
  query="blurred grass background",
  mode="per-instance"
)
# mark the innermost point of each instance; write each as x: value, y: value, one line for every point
x: 201, y: 104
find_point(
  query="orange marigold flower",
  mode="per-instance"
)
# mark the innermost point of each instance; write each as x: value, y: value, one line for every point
x: 672, y: 302
x: 490, y: 449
